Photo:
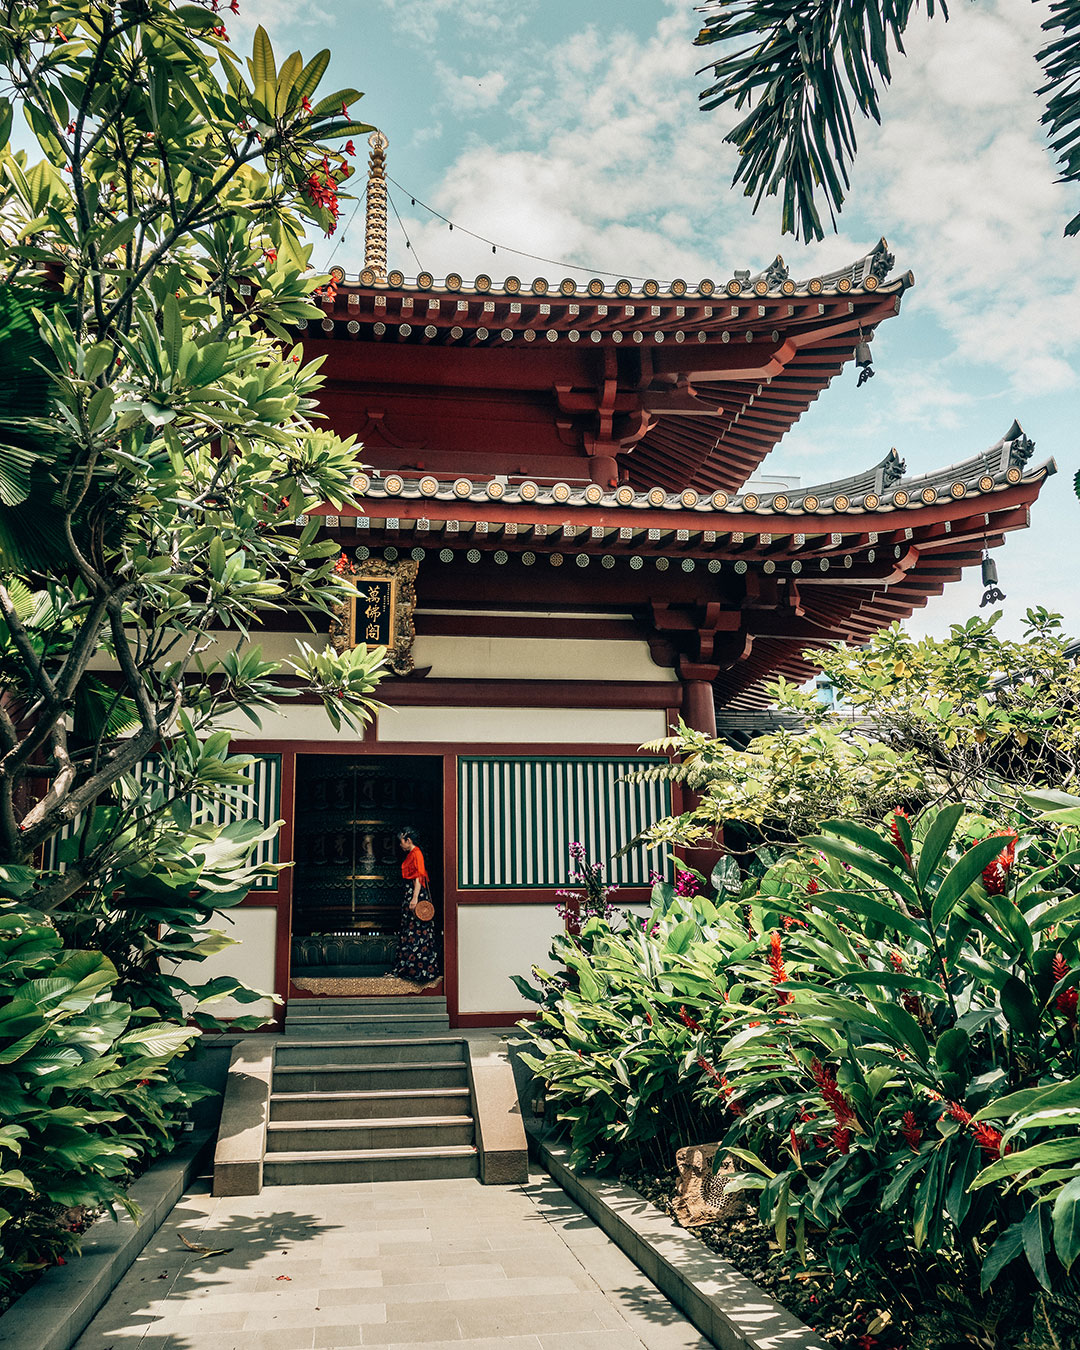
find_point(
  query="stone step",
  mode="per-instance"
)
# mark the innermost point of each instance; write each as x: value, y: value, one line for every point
x: 407, y: 1132
x: 449, y: 1073
x: 420, y: 1101
x: 384, y: 1050
x: 364, y: 1028
x: 348, y: 1166
x: 317, y: 1007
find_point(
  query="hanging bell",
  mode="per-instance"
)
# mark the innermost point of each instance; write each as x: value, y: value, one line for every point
x: 993, y: 594
x: 863, y: 355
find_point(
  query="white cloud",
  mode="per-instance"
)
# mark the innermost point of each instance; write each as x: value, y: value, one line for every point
x: 422, y: 20
x: 470, y: 93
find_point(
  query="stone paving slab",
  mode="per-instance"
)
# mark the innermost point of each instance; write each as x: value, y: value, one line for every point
x: 401, y: 1265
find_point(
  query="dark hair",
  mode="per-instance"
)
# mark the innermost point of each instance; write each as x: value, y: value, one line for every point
x: 409, y: 832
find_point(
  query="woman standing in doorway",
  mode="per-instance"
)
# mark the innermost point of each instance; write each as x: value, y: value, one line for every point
x: 418, y: 953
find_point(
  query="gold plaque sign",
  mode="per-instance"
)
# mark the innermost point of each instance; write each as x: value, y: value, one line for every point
x: 382, y: 613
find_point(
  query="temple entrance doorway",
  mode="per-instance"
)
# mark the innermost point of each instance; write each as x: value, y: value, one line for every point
x: 347, y: 884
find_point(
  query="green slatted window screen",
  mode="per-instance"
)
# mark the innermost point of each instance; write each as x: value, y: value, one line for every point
x: 517, y: 817
x: 263, y: 800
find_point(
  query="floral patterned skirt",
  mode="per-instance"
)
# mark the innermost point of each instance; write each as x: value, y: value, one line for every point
x: 418, y: 954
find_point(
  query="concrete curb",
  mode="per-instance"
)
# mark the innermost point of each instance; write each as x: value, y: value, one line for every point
x: 502, y: 1149
x: 722, y: 1303
x: 245, y: 1110
x: 53, y: 1314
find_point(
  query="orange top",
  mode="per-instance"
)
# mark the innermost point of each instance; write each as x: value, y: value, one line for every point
x: 412, y: 865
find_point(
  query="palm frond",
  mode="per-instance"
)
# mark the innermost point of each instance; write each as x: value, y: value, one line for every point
x: 1060, y: 61
x: 803, y: 71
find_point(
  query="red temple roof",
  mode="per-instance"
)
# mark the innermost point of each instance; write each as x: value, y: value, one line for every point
x: 673, y: 385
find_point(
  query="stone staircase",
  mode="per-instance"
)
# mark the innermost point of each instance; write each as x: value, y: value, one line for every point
x: 369, y: 1090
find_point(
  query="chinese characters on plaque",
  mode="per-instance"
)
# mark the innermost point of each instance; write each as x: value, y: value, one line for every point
x: 382, y: 613
x: 375, y: 610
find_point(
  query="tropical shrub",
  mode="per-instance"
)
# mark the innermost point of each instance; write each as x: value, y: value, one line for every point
x: 887, y: 1021
x: 86, y: 1095
x: 615, y: 1035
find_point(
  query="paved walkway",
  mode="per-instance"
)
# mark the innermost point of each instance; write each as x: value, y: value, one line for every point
x: 397, y: 1264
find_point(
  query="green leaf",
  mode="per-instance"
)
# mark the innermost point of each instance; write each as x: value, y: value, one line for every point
x: 1006, y: 1249
x: 1037, y: 1234
x: 961, y: 876
x: 938, y: 838
x: 1018, y: 1005
x: 1066, y: 1217
x: 1040, y: 1155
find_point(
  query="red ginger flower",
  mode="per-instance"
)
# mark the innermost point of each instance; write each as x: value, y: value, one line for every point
x: 305, y: 103
x: 703, y: 1063
x: 987, y: 1138
x: 910, y: 1130
x: 736, y: 1108
x: 841, y: 1138
x: 896, y: 961
x: 776, y: 965
x: 812, y: 887
x: 1067, y: 1000
x: 894, y: 830
x: 687, y: 1020
x: 995, y: 875
x: 837, y: 1102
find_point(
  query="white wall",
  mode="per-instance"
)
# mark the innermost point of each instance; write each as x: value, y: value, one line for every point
x: 250, y: 959
x: 495, y: 942
x: 504, y: 658
x: 524, y: 726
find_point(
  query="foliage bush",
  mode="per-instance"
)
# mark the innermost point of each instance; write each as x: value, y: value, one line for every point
x: 159, y: 444
x: 887, y: 1020
x: 973, y: 718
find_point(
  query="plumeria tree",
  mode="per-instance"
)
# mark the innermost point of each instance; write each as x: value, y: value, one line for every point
x: 159, y: 439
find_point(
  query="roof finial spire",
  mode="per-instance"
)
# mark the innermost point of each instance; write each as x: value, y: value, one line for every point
x: 375, y: 226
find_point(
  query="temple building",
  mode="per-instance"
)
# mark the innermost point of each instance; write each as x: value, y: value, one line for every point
x: 556, y: 546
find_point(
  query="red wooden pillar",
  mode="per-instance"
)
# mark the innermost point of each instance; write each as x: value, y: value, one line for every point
x: 699, y: 709
x: 699, y: 713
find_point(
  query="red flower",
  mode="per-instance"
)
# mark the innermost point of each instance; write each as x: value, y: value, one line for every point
x: 794, y: 1143
x: 342, y: 565
x: 837, y: 1102
x: 989, y: 1140
x: 894, y: 830
x: 812, y: 887
x: 996, y: 874
x: 776, y: 965
x: 270, y: 254
x: 344, y: 110
x: 704, y: 1064
x: 896, y: 961
x: 1067, y: 1000
x: 687, y: 1020
x: 736, y: 1108
x: 60, y: 36
x: 350, y: 149
x: 866, y: 1342
x: 234, y: 5
x: 305, y: 103
x: 910, y: 1130
x: 841, y: 1138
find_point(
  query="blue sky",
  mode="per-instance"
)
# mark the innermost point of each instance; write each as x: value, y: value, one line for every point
x: 571, y: 130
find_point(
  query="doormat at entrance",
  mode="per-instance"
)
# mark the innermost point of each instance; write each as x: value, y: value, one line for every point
x: 371, y: 984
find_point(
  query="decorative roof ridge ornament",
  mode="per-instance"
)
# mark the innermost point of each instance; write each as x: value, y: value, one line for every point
x: 375, y: 221
x: 891, y: 470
